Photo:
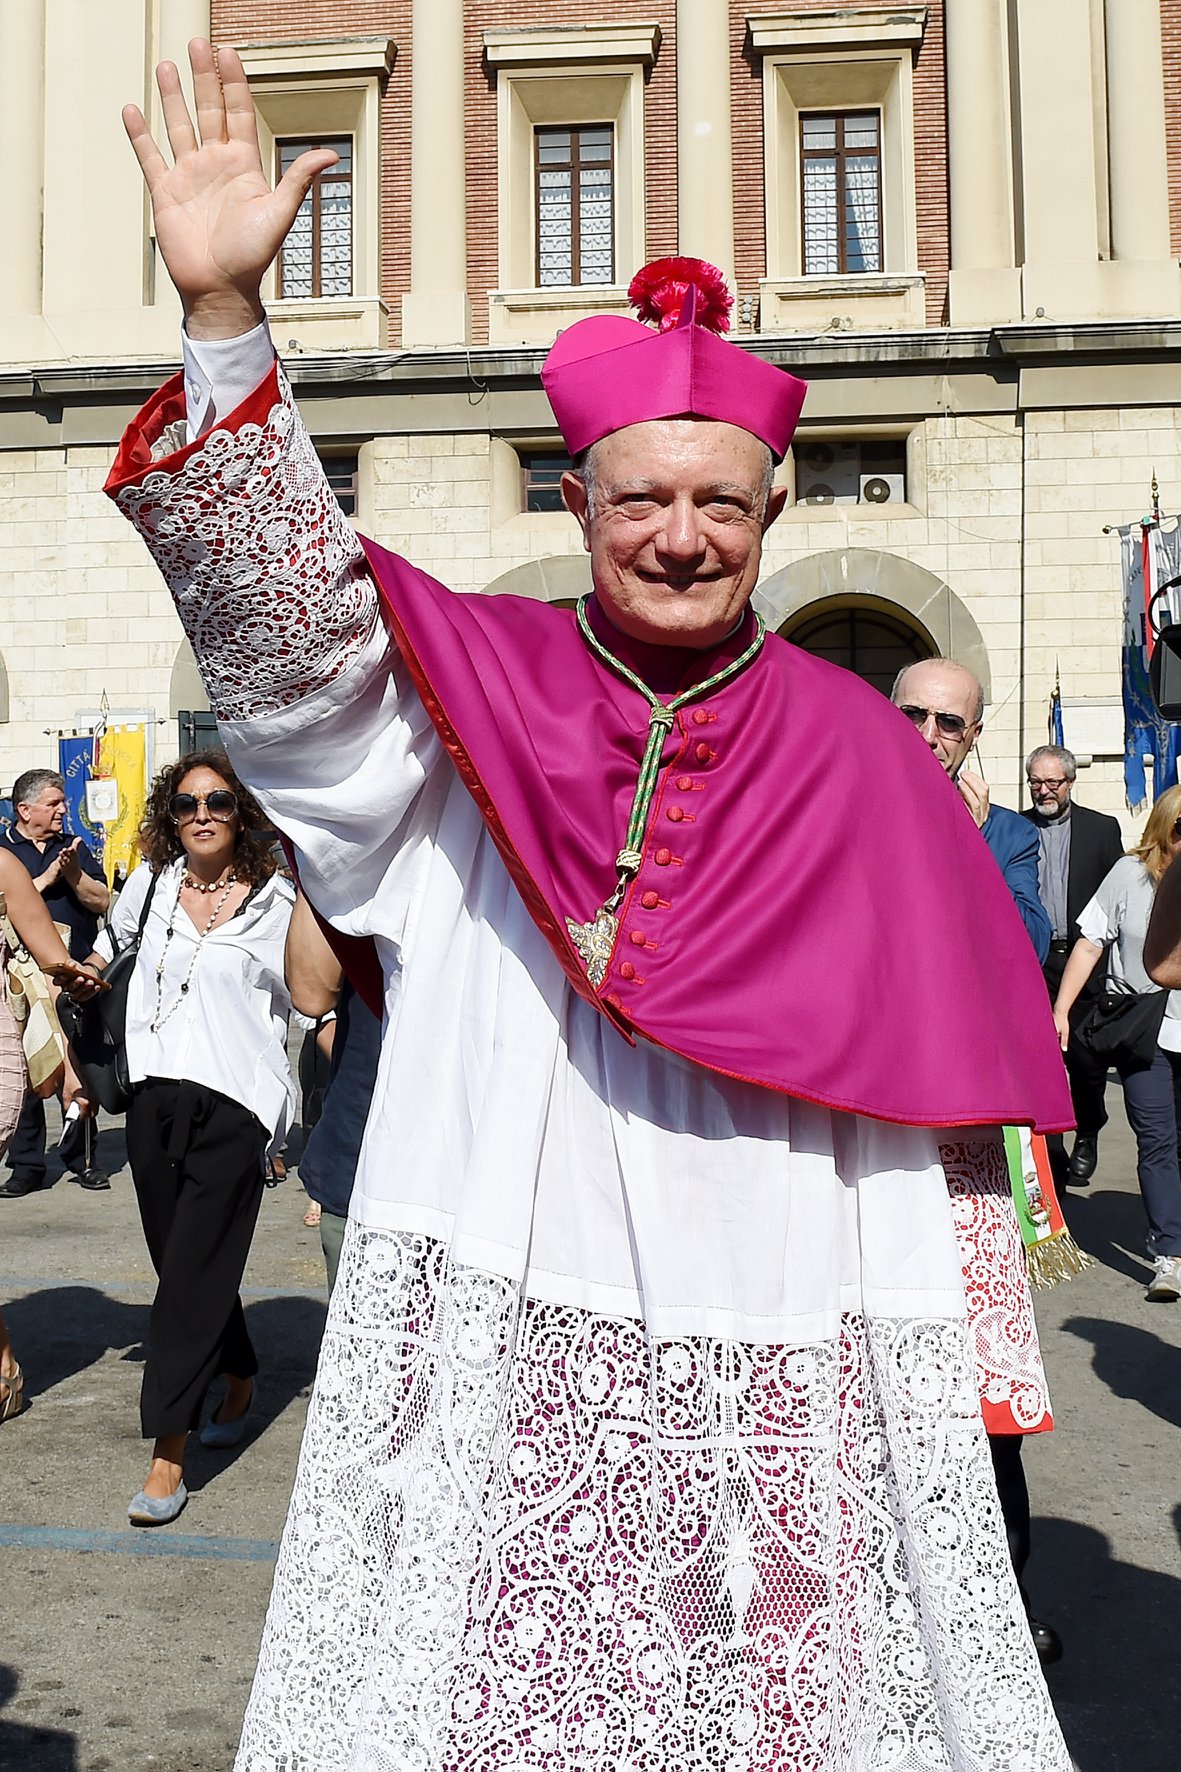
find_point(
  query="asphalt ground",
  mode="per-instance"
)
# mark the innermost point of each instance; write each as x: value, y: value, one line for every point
x: 124, y: 1651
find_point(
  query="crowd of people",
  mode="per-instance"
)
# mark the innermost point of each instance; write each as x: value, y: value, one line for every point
x: 681, y: 1347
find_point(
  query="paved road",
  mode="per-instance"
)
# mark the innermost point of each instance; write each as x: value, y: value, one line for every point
x: 133, y: 1652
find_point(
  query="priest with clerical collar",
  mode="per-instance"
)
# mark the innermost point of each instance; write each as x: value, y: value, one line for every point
x: 647, y: 1428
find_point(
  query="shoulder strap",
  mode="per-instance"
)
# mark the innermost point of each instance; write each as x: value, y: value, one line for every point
x: 143, y: 918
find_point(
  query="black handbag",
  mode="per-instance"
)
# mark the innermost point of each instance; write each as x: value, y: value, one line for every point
x: 1122, y: 1026
x: 97, y: 1030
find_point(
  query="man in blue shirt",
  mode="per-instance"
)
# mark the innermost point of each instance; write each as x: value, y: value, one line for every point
x: 946, y: 704
x: 74, y: 889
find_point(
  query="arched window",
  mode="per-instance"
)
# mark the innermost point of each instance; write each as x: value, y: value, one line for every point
x: 872, y: 642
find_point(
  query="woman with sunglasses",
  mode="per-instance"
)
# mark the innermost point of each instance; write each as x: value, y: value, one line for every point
x: 207, y: 1013
x: 1116, y: 922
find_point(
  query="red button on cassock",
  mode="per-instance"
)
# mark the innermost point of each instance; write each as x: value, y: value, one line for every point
x: 663, y: 857
x: 627, y: 970
x: 684, y: 784
x: 703, y: 753
x: 675, y: 814
x: 650, y: 900
x: 638, y: 939
x: 700, y: 717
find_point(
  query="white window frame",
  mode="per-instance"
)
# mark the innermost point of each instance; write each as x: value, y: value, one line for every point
x: 564, y: 76
x: 329, y: 87
x: 859, y: 59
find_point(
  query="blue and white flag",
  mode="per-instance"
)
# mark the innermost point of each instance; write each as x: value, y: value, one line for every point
x: 1151, y: 557
x: 75, y: 761
x: 1055, y: 721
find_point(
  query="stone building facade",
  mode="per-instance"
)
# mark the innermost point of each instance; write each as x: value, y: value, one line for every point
x: 959, y: 221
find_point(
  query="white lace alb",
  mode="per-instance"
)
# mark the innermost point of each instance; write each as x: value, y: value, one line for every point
x: 531, y: 1537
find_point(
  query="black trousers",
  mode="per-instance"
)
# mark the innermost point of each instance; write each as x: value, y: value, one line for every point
x: 197, y: 1162
x: 1087, y: 1074
x: 26, y: 1153
x: 1013, y: 1492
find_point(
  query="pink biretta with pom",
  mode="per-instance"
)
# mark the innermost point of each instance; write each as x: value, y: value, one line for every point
x: 608, y: 372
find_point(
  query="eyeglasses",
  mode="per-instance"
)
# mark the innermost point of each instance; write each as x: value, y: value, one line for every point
x: 221, y: 806
x: 1176, y: 833
x: 1038, y: 782
x: 950, y: 725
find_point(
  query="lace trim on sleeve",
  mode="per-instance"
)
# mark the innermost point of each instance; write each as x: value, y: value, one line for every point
x: 269, y: 579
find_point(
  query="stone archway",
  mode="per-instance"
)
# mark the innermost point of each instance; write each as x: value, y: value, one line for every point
x: 881, y: 581
x: 559, y: 578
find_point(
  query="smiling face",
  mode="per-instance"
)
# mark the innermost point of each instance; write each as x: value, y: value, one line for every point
x: 675, y: 527
x: 203, y: 836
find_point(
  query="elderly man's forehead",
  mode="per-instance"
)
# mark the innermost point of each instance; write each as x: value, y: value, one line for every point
x: 704, y: 445
x: 948, y: 688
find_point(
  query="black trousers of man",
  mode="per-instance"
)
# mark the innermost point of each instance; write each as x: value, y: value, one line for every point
x: 26, y: 1153
x: 1013, y: 1493
x: 197, y: 1162
x: 1087, y: 1074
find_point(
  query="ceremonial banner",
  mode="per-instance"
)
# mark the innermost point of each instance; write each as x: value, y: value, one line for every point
x: 1055, y: 722
x: 122, y: 758
x: 1151, y: 557
x: 75, y: 759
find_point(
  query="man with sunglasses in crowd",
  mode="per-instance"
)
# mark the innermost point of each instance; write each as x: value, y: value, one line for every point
x: 1077, y: 850
x: 945, y: 702
x: 74, y: 888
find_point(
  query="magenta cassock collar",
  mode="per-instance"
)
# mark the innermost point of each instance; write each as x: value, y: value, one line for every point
x: 816, y: 912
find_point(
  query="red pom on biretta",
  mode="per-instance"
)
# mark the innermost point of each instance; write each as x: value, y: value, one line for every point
x: 657, y: 292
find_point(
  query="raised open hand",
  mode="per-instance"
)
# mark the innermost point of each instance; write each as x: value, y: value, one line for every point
x: 218, y: 222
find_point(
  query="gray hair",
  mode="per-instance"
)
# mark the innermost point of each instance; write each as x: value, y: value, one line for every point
x: 1056, y: 753
x: 914, y: 664
x: 586, y: 468
x: 28, y: 788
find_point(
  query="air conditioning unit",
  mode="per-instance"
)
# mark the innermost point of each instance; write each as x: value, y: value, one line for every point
x: 882, y: 489
x: 827, y: 473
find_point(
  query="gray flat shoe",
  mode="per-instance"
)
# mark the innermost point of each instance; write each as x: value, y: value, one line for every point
x: 221, y: 1435
x: 156, y: 1510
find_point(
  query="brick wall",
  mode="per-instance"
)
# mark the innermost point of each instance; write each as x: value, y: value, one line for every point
x: 660, y: 127
x: 930, y: 148
x: 1171, y: 50
x: 264, y: 21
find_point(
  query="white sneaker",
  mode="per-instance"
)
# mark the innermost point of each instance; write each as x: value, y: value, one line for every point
x: 1165, y: 1285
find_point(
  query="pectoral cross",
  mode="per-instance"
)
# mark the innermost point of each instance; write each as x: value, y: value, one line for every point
x: 595, y: 941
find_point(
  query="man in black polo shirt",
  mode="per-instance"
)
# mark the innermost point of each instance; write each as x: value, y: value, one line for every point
x: 74, y: 888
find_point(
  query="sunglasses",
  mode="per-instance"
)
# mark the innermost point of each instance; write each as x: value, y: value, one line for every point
x: 221, y: 805
x: 950, y: 725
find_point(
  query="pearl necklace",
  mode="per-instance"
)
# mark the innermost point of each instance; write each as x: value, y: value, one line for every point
x: 227, y: 885
x: 210, y: 885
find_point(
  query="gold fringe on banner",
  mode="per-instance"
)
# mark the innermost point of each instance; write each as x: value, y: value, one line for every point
x: 1055, y: 1259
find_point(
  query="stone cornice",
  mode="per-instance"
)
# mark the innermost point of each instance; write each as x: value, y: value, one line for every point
x: 853, y: 27
x: 547, y: 46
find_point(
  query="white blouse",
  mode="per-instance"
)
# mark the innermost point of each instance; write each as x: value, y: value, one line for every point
x: 229, y: 1029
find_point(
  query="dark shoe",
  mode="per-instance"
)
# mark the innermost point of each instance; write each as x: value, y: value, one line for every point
x: 1084, y: 1160
x: 1046, y: 1641
x: 18, y: 1185
x: 94, y: 1180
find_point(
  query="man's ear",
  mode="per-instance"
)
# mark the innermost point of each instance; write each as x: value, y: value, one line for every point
x: 776, y: 499
x: 574, y: 497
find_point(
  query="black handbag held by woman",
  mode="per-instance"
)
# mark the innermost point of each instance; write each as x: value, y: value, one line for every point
x: 1122, y: 1026
x: 97, y: 1030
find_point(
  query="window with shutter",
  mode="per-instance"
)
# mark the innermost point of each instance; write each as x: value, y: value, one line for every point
x: 317, y: 255
x: 841, y: 185
x: 575, y: 188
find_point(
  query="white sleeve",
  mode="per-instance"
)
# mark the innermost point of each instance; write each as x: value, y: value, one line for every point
x: 221, y: 373
x: 1100, y: 919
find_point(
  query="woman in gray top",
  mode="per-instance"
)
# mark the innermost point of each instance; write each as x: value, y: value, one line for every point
x: 1116, y: 920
